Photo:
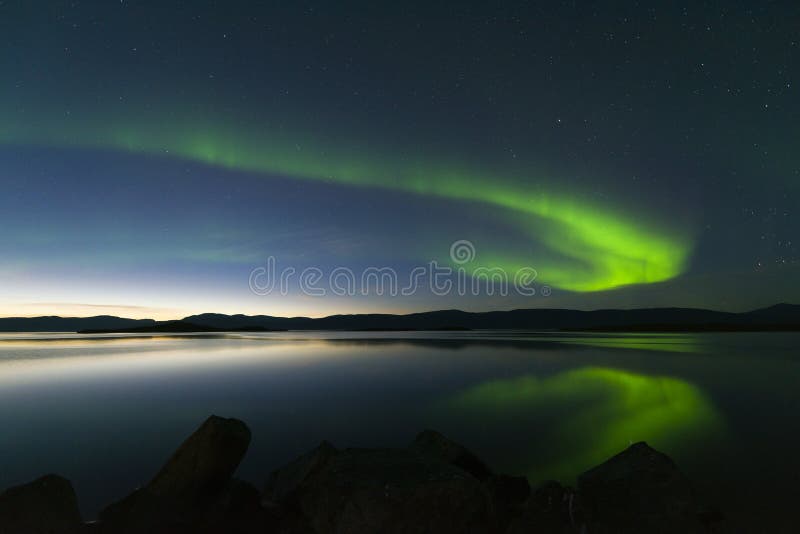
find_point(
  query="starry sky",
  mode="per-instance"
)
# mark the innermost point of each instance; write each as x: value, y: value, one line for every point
x: 153, y: 154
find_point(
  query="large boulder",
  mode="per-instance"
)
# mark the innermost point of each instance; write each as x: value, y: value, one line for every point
x: 284, y: 483
x: 196, y: 481
x: 358, y: 491
x: 639, y: 490
x: 204, y: 463
x: 551, y: 508
x: 507, y: 493
x: 46, y: 505
x: 434, y: 444
x: 237, y: 510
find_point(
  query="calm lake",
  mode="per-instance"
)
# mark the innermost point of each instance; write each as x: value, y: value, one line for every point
x: 106, y: 411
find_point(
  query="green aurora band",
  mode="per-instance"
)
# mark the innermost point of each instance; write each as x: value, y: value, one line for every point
x: 595, y: 248
x: 605, y: 410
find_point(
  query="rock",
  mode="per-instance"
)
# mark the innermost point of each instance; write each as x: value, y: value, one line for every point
x: 204, y: 463
x: 142, y: 512
x: 639, y: 490
x: 508, y: 495
x: 552, y: 508
x: 284, y: 488
x: 434, y: 444
x: 194, y: 482
x: 381, y: 490
x: 433, y: 486
x: 508, y: 489
x: 46, y: 505
x: 283, y: 483
x: 237, y: 510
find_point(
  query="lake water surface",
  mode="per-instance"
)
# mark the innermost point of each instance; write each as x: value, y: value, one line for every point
x: 106, y: 411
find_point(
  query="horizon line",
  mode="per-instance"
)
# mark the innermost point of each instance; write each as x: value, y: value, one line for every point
x: 399, y: 314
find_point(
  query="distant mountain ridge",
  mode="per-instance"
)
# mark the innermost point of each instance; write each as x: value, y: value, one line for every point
x: 52, y: 323
x: 781, y: 315
x: 166, y: 327
x: 778, y: 317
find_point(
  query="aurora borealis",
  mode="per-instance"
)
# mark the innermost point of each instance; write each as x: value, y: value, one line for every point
x: 153, y: 155
x: 602, y: 249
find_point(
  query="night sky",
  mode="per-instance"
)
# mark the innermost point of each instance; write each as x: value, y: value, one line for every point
x: 153, y: 154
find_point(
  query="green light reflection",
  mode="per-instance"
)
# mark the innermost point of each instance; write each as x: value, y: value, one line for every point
x: 586, y: 415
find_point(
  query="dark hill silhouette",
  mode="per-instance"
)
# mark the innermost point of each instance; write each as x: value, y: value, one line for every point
x: 777, y: 317
x: 68, y: 324
x: 780, y: 317
x: 171, y: 327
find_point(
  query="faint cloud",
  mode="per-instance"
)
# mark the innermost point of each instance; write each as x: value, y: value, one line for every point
x: 88, y: 305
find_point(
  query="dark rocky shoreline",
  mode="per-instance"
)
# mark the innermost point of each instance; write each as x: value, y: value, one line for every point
x: 432, y: 486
